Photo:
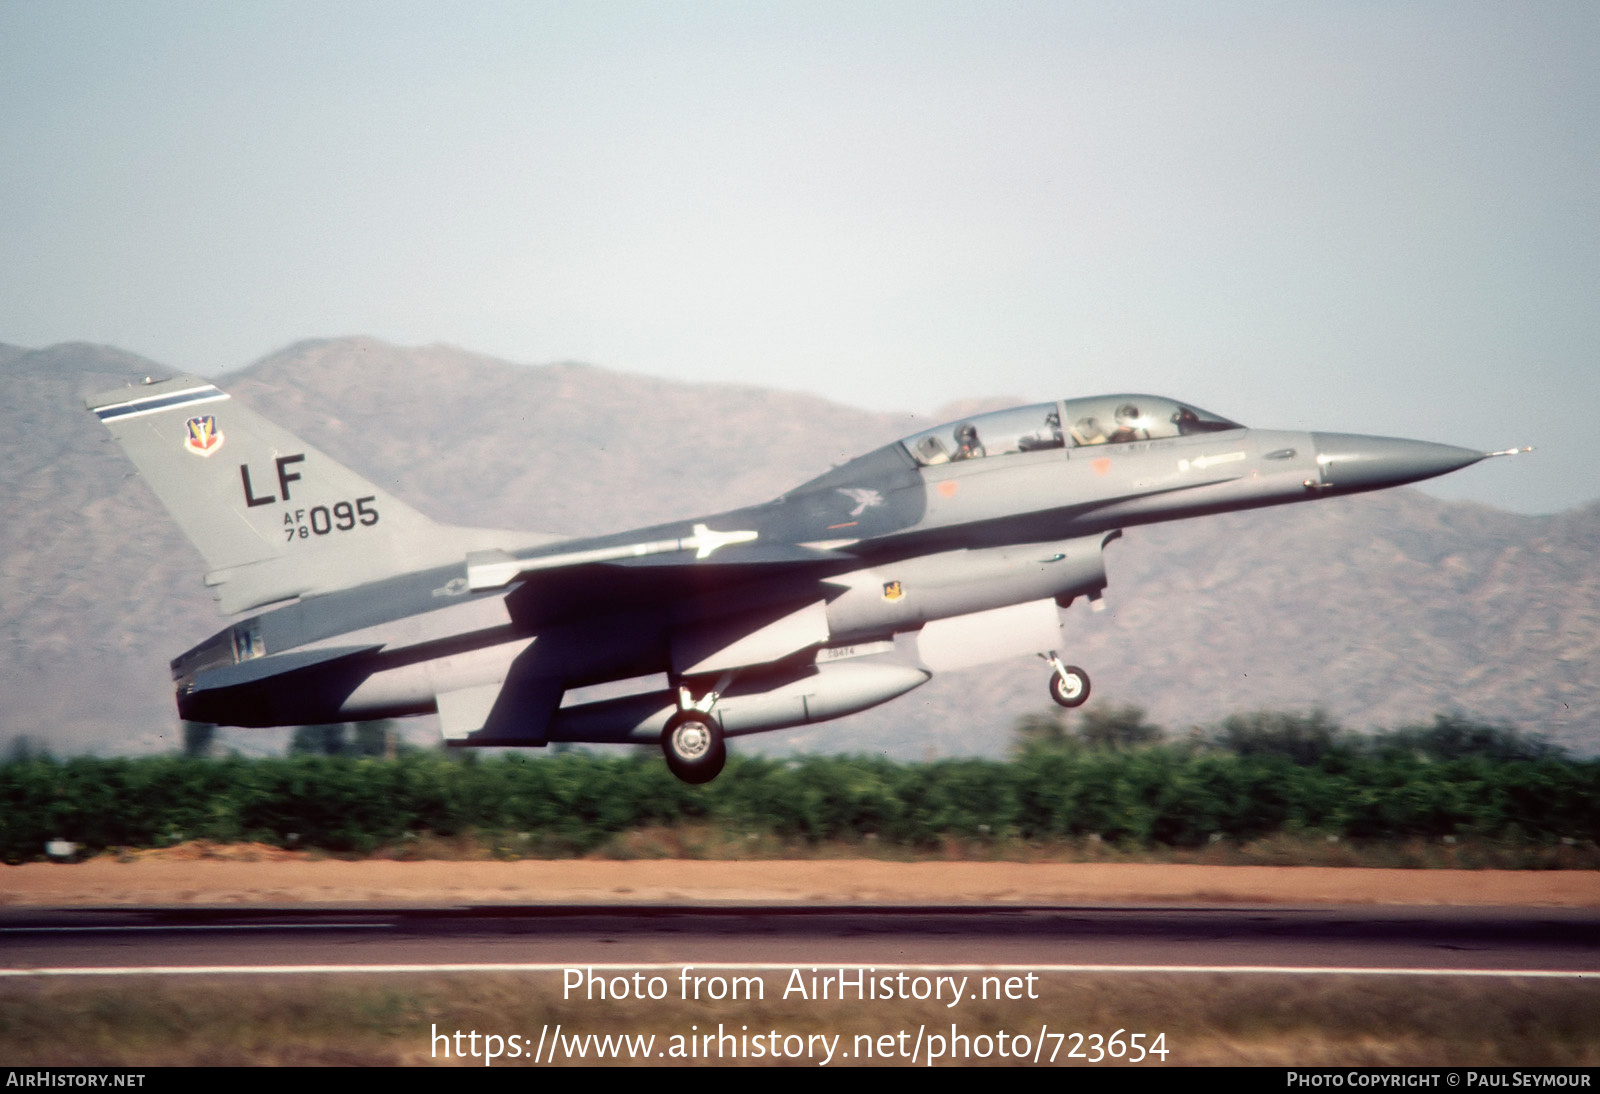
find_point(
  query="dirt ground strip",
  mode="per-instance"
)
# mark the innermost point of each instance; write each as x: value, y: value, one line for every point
x: 211, y: 882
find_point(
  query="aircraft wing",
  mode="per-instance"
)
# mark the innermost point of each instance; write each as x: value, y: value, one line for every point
x: 539, y: 597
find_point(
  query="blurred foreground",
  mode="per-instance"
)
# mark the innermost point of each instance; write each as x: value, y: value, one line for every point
x: 1260, y: 788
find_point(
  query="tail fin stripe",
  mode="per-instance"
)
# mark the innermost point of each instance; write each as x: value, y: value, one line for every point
x: 157, y: 403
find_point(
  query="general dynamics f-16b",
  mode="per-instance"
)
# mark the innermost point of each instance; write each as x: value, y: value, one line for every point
x: 956, y: 546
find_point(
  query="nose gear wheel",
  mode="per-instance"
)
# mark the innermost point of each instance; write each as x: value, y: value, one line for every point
x: 1069, y: 685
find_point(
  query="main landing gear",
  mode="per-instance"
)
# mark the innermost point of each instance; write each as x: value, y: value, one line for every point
x: 693, y: 746
x: 1069, y: 685
x: 692, y: 741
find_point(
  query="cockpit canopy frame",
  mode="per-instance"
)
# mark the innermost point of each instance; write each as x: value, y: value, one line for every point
x: 1102, y: 420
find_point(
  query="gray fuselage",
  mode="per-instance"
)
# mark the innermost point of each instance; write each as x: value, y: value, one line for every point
x: 854, y: 560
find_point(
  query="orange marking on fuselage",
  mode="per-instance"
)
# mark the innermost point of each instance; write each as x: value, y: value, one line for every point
x: 949, y: 488
x: 1101, y: 466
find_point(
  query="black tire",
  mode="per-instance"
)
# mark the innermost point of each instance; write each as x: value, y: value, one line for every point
x: 1071, y: 690
x: 693, y: 746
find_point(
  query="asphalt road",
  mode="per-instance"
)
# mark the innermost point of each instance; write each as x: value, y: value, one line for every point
x: 1323, y: 937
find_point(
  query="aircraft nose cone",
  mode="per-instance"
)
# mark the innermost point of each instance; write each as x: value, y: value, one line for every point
x: 1353, y: 462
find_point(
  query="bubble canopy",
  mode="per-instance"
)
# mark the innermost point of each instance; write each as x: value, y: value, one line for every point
x: 1068, y: 423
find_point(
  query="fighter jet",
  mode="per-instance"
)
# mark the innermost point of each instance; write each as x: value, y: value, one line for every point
x: 956, y: 546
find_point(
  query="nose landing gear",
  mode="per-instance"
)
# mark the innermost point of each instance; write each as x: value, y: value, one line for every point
x: 1069, y: 685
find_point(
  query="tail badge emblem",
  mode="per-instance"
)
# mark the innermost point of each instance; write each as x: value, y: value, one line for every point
x: 204, y: 438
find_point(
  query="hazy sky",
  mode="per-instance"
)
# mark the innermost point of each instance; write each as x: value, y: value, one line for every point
x: 1369, y: 217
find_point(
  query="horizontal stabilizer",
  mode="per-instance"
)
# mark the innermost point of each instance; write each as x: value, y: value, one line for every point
x: 263, y: 668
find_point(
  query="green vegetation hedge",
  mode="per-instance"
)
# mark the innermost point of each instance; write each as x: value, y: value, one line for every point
x: 1252, y: 777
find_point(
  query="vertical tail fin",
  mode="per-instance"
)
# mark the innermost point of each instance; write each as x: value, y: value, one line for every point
x: 272, y: 517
